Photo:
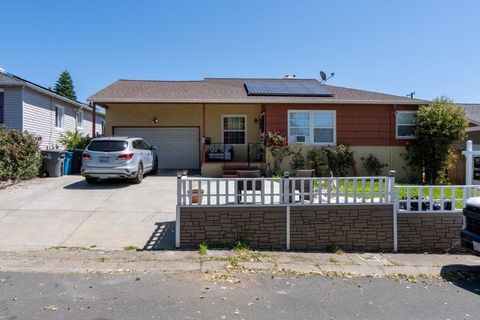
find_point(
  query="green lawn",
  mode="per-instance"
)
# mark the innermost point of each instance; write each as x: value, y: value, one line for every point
x: 458, y: 192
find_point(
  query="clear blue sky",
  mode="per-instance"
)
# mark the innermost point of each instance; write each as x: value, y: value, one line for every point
x: 428, y: 46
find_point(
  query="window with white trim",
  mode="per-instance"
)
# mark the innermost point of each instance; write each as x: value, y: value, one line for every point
x: 311, y: 127
x: 406, y: 123
x: 80, y: 119
x: 59, y: 116
x: 234, y: 129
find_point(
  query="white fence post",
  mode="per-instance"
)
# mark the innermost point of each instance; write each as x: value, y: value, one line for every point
x: 287, y: 197
x: 177, y: 216
x: 392, y: 199
x: 468, y: 153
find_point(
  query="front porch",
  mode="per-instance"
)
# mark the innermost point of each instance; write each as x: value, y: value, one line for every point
x: 224, y: 160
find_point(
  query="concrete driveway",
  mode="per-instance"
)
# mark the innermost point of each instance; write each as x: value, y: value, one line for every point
x: 66, y: 211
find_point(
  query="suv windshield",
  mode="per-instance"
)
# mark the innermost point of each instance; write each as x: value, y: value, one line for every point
x: 108, y: 145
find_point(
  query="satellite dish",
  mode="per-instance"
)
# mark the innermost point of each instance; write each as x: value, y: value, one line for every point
x: 323, y: 76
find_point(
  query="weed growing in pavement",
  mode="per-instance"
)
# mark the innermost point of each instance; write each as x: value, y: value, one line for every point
x: 333, y: 260
x: 203, y: 248
x: 240, y: 245
x: 335, y: 249
x: 130, y: 248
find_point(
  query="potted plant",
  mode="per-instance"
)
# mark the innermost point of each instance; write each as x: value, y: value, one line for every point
x: 196, y: 195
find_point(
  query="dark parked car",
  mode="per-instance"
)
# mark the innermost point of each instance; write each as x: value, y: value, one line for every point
x: 470, y: 235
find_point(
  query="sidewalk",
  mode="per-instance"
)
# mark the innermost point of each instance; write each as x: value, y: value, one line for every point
x: 78, y: 260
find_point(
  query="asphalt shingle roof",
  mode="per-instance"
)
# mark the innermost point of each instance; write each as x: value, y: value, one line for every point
x: 472, y: 112
x: 228, y: 90
x: 8, y: 79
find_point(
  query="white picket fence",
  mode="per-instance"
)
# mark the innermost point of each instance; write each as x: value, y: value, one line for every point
x: 281, y: 191
x: 289, y: 192
x: 434, y: 198
x: 320, y: 191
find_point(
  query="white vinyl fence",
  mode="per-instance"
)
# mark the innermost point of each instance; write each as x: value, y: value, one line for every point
x: 321, y: 191
x: 434, y: 198
x: 281, y: 191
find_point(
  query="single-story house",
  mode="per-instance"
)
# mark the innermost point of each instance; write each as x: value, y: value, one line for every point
x: 472, y: 113
x: 205, y: 124
x: 27, y: 106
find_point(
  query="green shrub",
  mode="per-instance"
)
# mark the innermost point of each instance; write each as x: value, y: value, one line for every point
x: 298, y: 161
x: 316, y: 160
x: 20, y: 157
x: 438, y: 126
x: 373, y: 166
x: 73, y: 140
x: 339, y: 160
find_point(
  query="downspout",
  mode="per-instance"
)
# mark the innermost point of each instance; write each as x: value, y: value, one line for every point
x: 202, y: 145
x: 391, y: 135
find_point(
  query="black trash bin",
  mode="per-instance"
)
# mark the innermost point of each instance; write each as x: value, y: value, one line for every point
x: 53, y: 162
x: 76, y: 160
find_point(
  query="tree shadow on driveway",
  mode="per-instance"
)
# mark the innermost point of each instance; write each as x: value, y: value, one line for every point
x: 463, y: 276
x: 163, y: 238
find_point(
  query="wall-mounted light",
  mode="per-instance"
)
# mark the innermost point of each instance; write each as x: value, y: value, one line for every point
x: 155, y: 120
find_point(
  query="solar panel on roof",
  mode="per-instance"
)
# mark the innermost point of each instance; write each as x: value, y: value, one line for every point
x: 302, y: 88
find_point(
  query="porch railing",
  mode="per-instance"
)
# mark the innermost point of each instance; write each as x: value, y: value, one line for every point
x: 282, y: 191
x: 256, y: 152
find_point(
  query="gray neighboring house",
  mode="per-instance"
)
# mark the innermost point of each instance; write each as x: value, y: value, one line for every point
x: 472, y: 113
x: 29, y: 107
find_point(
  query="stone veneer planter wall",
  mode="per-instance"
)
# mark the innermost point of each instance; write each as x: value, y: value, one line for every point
x: 429, y: 231
x: 350, y: 227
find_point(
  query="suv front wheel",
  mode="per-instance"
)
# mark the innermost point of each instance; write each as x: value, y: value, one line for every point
x: 139, y: 177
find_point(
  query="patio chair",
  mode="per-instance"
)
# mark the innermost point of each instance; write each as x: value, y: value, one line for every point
x: 310, y: 173
x: 248, y: 185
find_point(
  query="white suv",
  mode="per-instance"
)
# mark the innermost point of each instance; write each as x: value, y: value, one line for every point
x: 118, y: 157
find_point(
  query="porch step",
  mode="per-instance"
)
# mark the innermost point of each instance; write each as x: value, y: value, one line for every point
x: 235, y: 167
x: 229, y: 176
x: 230, y: 170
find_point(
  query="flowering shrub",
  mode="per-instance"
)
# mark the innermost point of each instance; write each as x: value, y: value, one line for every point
x: 277, y: 143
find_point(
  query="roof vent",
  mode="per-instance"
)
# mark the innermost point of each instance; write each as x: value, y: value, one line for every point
x: 287, y: 76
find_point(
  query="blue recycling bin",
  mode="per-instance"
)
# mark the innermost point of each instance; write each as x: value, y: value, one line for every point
x: 67, y: 165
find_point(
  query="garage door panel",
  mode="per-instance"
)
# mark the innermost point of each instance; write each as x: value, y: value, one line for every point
x: 177, y: 148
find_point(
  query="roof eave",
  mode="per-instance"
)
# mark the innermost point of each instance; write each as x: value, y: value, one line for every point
x: 250, y: 101
x: 20, y: 83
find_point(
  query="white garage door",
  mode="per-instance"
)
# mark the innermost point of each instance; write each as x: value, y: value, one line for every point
x: 177, y: 148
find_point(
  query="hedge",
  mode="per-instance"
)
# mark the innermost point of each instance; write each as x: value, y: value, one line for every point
x: 20, y: 157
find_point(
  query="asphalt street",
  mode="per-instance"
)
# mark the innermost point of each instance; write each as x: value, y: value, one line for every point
x: 232, y: 296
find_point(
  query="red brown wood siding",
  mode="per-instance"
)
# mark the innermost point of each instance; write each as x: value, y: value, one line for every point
x: 357, y: 125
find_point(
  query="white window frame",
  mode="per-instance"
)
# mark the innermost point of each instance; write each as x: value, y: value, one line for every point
x: 312, y: 121
x: 223, y: 128
x: 80, y: 115
x: 62, y: 121
x: 405, y: 125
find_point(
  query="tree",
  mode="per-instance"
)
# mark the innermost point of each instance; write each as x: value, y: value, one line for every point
x: 438, y: 126
x: 64, y: 86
